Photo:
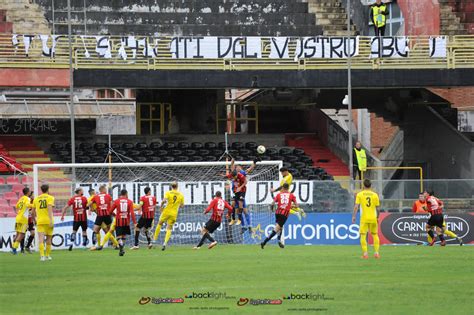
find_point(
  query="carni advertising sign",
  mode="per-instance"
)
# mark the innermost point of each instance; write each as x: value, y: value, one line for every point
x: 411, y: 228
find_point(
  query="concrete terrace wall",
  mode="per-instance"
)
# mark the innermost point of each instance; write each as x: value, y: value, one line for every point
x: 195, y: 17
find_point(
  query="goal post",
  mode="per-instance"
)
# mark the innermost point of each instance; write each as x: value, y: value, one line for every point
x: 198, y: 181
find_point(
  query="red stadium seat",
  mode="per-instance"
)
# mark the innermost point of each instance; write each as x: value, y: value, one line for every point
x: 13, y: 180
x: 2, y: 180
x: 4, y: 211
x: 11, y: 195
x: 4, y: 169
x: 27, y: 181
x: 3, y: 203
x: 17, y: 188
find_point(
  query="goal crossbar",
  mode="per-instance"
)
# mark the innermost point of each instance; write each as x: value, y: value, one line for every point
x: 37, y: 167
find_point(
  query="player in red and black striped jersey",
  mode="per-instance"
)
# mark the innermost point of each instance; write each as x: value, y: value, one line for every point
x: 436, y: 220
x: 285, y: 200
x: 123, y: 208
x: 217, y: 206
x: 147, y: 206
x: 103, y: 202
x: 79, y: 206
x: 239, y: 189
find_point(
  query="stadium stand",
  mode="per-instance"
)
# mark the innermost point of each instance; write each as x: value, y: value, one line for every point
x: 295, y: 159
x: 209, y: 17
x: 5, y: 26
x: 457, y: 17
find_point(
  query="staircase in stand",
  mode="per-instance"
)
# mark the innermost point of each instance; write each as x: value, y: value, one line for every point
x: 26, y: 152
x: 321, y: 155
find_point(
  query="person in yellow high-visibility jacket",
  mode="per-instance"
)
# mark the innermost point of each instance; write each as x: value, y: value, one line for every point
x: 359, y: 161
x: 378, y: 16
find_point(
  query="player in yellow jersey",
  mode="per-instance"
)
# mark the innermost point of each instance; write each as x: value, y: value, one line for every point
x: 368, y: 201
x: 43, y: 212
x: 169, y: 213
x: 21, y: 221
x: 288, y: 179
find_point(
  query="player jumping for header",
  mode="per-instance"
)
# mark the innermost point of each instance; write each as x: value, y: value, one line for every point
x: 246, y: 212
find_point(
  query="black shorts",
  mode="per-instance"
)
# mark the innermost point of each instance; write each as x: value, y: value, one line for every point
x: 122, y: 230
x: 239, y: 196
x: 144, y: 223
x: 436, y: 220
x: 81, y: 224
x: 212, y: 225
x: 280, y: 219
x: 106, y: 219
x: 31, y: 226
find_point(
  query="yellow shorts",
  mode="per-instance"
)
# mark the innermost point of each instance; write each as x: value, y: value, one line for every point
x: 368, y: 227
x: 45, y: 228
x: 169, y: 218
x: 21, y: 227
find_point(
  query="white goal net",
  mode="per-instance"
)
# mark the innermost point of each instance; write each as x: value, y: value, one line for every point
x: 198, y: 181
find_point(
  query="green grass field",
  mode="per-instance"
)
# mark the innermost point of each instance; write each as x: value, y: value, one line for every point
x: 407, y: 280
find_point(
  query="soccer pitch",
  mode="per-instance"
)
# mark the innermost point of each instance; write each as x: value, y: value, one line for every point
x: 332, y: 279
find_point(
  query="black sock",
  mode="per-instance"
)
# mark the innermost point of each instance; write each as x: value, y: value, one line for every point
x: 279, y: 235
x: 270, y: 237
x: 233, y: 214
x: 441, y: 237
x: 22, y: 244
x: 431, y: 234
x: 203, y: 238
x: 84, y: 240
x: 148, y: 239
x: 94, y: 238
x: 137, y: 234
x: 209, y: 237
x: 73, y: 238
x: 30, y: 240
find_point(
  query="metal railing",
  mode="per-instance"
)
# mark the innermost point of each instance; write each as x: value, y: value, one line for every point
x: 60, y: 108
x: 459, y: 54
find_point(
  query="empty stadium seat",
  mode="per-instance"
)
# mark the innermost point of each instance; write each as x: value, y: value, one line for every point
x: 99, y: 146
x: 169, y: 145
x: 251, y: 145
x: 197, y: 145
x: 183, y: 145
x: 155, y: 145
x: 56, y: 146
x: 127, y: 146
x: 237, y: 145
x: 13, y: 180
x: 210, y: 145
x: 2, y: 181
x: 18, y: 188
x: 85, y: 146
x: 141, y: 146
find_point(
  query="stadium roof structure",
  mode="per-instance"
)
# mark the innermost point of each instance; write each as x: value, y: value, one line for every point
x: 57, y: 108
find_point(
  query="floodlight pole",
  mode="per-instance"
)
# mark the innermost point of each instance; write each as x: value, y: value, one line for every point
x: 71, y: 90
x: 349, y: 93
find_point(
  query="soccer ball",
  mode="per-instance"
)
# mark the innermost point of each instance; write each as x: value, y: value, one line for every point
x: 261, y: 149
